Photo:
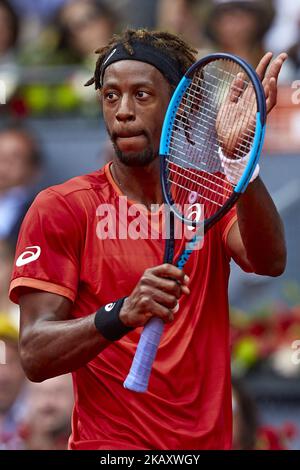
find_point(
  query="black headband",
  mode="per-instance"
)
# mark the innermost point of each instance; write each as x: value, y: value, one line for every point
x: 145, y: 52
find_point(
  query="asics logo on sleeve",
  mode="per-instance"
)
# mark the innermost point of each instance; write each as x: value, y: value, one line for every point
x: 28, y: 256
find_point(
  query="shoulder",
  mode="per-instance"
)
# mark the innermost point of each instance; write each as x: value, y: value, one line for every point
x: 80, y: 184
x: 67, y: 206
x: 73, y: 192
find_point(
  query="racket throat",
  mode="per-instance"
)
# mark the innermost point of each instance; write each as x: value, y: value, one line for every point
x: 191, y: 246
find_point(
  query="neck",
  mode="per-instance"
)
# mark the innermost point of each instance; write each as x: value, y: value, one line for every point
x: 141, y: 184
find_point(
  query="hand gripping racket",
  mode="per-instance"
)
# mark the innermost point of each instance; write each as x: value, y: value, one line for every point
x: 211, y: 141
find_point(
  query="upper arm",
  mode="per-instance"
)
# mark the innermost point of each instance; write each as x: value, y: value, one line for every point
x: 48, y: 249
x: 236, y: 249
x: 37, y: 306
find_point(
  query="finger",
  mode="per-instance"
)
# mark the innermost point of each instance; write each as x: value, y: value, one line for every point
x: 167, y: 285
x: 267, y: 91
x: 176, y: 308
x: 272, y: 96
x: 236, y: 88
x: 185, y: 290
x: 165, y: 299
x: 172, y: 272
x: 249, y: 96
x: 263, y: 65
x: 275, y: 68
x: 162, y: 312
x: 148, y: 308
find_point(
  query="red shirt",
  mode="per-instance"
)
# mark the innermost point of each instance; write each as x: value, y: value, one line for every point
x: 188, y: 405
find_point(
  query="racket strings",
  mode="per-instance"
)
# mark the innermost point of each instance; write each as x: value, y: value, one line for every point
x: 233, y: 119
x: 204, y: 138
x: 203, y: 198
x: 188, y: 180
x: 207, y: 121
x: 218, y: 181
x: 209, y: 112
x: 213, y: 115
x: 198, y: 186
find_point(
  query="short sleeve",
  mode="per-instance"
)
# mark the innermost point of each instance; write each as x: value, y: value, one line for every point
x: 48, y: 248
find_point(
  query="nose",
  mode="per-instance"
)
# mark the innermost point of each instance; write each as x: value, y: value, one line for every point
x: 126, y: 110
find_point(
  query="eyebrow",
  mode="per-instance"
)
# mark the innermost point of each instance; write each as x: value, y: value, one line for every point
x: 116, y: 84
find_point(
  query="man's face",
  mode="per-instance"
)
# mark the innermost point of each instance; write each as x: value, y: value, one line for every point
x: 135, y: 96
x: 50, y: 404
x: 236, y: 26
x: 87, y: 28
x: 15, y: 165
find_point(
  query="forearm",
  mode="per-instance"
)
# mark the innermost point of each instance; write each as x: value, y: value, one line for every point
x: 261, y: 230
x: 50, y: 347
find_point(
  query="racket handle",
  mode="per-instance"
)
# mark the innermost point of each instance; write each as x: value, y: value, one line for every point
x: 139, y: 374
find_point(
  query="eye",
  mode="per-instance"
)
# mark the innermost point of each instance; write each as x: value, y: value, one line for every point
x: 141, y: 94
x: 110, y: 96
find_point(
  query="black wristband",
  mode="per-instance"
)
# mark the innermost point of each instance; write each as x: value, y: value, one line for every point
x: 108, y: 322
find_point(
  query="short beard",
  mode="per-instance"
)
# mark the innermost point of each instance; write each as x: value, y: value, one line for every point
x: 133, y: 159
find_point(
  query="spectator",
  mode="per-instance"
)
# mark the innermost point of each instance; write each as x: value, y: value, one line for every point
x: 84, y: 25
x: 41, y: 8
x: 12, y: 387
x: 137, y: 13
x: 239, y: 26
x: 36, y: 15
x: 9, y: 30
x: 69, y: 42
x: 77, y: 30
x: 184, y: 18
x: 47, y: 423
x: 20, y: 162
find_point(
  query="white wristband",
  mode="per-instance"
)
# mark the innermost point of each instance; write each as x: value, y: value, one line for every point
x: 234, y: 169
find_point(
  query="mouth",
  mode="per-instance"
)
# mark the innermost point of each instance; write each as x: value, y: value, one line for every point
x: 133, y: 141
x: 129, y: 135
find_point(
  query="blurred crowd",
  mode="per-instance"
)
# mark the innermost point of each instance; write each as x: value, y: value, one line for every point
x: 47, y: 53
x: 32, y: 416
x: 47, y: 47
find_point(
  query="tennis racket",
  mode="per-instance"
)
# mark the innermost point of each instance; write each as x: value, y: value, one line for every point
x: 211, y: 141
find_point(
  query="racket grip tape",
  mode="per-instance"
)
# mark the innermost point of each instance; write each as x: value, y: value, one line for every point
x: 139, y: 374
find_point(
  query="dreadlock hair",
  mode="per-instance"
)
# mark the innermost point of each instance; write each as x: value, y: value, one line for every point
x: 171, y: 44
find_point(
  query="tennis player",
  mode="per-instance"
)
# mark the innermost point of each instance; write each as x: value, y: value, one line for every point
x: 84, y: 296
